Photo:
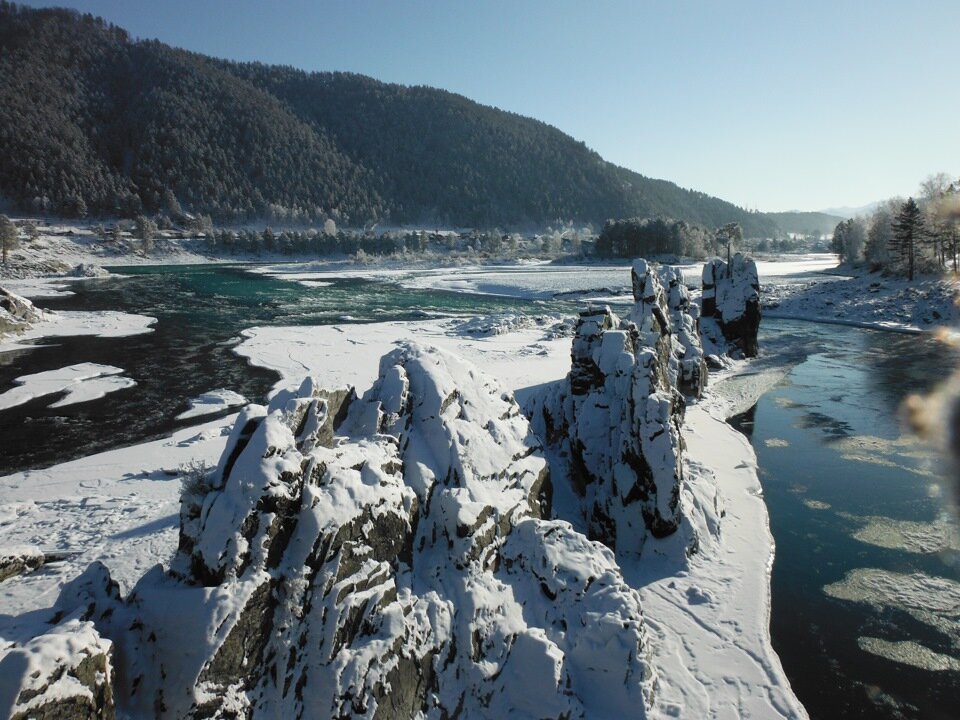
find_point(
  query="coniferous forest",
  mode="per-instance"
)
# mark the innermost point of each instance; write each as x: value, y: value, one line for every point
x: 96, y: 123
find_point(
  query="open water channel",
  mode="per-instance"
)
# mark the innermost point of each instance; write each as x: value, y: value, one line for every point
x: 866, y: 582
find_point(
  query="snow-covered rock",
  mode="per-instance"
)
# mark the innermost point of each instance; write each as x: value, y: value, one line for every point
x: 684, y: 319
x: 88, y: 270
x: 19, y: 559
x: 616, y: 419
x: 731, y: 304
x: 383, y: 556
x: 16, y: 313
x: 212, y: 402
x: 65, y: 672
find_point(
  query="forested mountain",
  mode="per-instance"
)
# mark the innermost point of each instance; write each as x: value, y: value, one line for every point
x: 94, y: 122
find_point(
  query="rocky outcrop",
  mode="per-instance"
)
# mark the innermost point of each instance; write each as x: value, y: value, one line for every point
x: 88, y: 270
x: 16, y: 313
x: 684, y: 317
x: 62, y: 674
x: 18, y: 560
x: 616, y: 419
x: 383, y: 556
x: 731, y: 305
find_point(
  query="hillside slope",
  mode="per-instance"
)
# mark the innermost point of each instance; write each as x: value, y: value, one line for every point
x: 92, y: 121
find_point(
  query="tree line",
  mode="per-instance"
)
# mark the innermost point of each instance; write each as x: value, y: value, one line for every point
x: 907, y: 237
x: 95, y: 124
x: 648, y: 237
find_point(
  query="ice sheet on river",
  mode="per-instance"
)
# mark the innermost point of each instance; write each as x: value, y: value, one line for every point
x: 77, y: 383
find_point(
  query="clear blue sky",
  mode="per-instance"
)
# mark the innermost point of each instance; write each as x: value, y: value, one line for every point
x: 769, y: 104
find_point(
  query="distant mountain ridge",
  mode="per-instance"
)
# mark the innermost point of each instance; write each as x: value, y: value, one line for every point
x: 94, y: 122
x: 850, y: 212
x: 806, y: 223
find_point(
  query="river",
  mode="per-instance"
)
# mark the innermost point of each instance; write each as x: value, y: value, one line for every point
x: 866, y: 582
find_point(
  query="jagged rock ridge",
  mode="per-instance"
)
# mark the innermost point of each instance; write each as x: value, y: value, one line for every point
x: 383, y: 556
x: 731, y: 304
x: 618, y: 415
x: 66, y: 674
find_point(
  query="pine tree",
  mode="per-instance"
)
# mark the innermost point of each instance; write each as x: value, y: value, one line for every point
x: 908, y: 233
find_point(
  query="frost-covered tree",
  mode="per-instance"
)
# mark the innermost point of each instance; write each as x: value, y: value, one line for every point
x: 8, y: 236
x: 146, y: 230
x: 849, y: 238
x: 945, y: 224
x: 32, y: 231
x: 880, y: 235
x: 940, y: 198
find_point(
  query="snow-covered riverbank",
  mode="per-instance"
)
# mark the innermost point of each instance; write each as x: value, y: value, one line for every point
x: 707, y: 618
x: 706, y: 621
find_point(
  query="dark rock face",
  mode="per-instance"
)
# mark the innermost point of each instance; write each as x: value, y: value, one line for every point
x: 731, y: 302
x: 384, y: 556
x: 617, y: 417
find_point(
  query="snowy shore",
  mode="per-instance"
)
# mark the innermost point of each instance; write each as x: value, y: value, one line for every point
x: 708, y: 621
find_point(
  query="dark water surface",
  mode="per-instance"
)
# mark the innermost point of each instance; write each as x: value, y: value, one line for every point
x: 834, y: 464
x: 200, y: 312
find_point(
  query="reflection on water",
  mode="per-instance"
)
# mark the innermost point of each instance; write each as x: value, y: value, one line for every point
x: 200, y: 312
x: 866, y: 582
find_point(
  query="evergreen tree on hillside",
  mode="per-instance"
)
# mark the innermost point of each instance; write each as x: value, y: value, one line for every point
x: 908, y: 233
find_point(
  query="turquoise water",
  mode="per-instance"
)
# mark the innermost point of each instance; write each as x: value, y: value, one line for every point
x: 200, y: 312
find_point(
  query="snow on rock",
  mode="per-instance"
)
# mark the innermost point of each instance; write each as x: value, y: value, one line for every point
x: 16, y: 313
x: 383, y: 556
x: 731, y: 305
x: 17, y: 559
x: 503, y: 323
x: 687, y: 364
x: 88, y: 270
x: 616, y: 419
x: 65, y: 672
x: 212, y: 402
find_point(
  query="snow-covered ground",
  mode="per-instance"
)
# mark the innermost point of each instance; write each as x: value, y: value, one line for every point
x: 708, y: 624
x: 865, y: 300
x: 120, y: 507
x: 61, y: 247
